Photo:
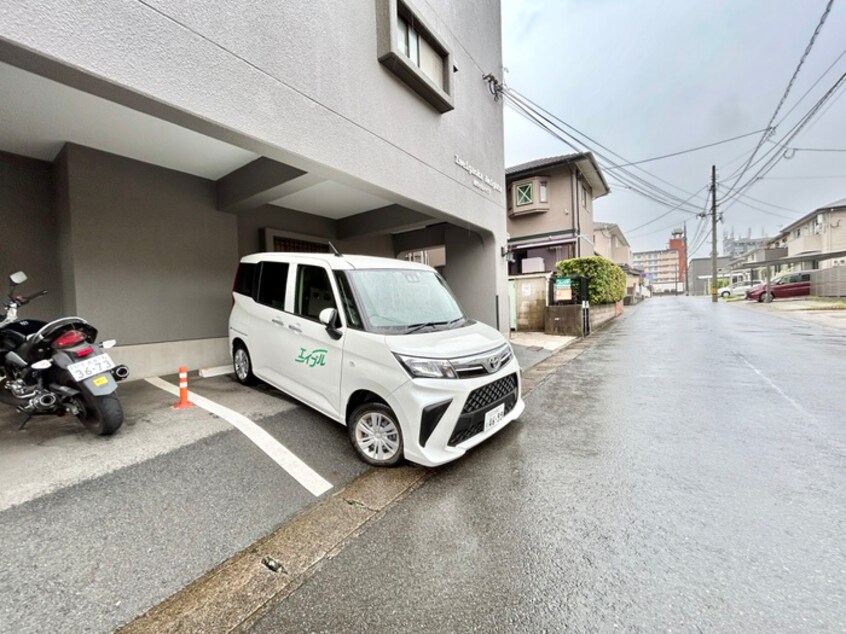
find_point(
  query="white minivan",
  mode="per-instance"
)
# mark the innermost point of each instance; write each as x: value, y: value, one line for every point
x: 379, y: 345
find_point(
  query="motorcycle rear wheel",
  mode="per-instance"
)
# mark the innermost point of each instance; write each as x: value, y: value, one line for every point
x: 102, y: 415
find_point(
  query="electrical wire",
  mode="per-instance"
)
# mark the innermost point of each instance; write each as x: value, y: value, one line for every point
x: 537, y: 115
x: 688, y: 151
x: 548, y: 116
x: 769, y: 129
x: 776, y: 154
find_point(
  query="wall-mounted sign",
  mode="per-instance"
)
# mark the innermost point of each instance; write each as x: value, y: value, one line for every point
x: 480, y: 181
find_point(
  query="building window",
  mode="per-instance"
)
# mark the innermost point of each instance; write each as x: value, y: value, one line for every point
x: 524, y: 194
x: 542, y: 194
x: 409, y: 48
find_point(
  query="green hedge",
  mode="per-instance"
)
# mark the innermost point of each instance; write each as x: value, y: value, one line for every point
x: 606, y: 280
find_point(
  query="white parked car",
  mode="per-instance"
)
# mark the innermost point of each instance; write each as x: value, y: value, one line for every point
x: 738, y: 289
x: 378, y: 345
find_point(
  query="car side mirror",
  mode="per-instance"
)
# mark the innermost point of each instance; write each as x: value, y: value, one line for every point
x: 329, y: 318
x: 18, y: 278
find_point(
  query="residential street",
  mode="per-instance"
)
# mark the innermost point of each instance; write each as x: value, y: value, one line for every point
x: 686, y: 473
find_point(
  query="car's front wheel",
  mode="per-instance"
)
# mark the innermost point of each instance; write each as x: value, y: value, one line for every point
x: 375, y: 434
x: 725, y: 294
x: 767, y: 297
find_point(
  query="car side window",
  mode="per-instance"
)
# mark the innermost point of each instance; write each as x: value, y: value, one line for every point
x: 805, y: 277
x: 314, y: 292
x: 273, y: 278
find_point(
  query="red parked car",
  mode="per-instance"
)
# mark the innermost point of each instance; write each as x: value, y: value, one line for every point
x: 789, y: 285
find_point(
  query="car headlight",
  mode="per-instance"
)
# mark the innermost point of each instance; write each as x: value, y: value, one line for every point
x: 422, y: 368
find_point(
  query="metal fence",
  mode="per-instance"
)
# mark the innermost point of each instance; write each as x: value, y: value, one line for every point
x: 829, y: 282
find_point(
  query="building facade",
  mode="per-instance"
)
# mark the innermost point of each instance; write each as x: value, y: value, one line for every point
x: 736, y: 246
x: 822, y: 231
x: 664, y: 269
x: 150, y: 145
x: 610, y: 242
x: 550, y: 211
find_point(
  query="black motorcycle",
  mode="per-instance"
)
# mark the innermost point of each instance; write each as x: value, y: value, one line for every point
x: 57, y: 368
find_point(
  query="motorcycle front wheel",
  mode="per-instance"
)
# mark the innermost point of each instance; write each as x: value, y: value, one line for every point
x: 102, y: 415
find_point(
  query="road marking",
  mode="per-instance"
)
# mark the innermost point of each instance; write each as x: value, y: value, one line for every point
x: 798, y: 407
x: 277, y: 452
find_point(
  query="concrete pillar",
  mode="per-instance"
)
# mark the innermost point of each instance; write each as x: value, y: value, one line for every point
x: 477, y: 274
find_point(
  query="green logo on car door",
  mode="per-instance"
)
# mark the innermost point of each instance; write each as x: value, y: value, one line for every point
x: 313, y: 358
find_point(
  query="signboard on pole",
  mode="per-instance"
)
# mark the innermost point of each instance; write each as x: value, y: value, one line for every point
x: 563, y: 290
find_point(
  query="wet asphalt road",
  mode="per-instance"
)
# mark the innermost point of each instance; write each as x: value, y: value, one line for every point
x: 686, y: 473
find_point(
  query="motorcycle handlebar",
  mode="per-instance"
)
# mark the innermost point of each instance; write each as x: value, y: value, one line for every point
x: 21, y: 299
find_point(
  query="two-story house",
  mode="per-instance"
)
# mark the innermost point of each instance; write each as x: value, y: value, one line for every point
x: 822, y: 231
x: 550, y: 210
x: 610, y: 242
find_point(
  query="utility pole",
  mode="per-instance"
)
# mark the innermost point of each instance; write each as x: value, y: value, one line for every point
x: 686, y: 287
x: 713, y: 233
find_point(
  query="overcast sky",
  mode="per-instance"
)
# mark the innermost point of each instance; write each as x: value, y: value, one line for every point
x: 650, y: 77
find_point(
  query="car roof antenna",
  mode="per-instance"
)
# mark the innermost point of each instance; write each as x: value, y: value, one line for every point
x: 335, y: 251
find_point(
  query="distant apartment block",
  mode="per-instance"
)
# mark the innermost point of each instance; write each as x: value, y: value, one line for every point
x: 664, y: 269
x: 734, y: 247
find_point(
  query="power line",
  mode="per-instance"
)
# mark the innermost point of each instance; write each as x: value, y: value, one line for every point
x: 776, y: 153
x: 688, y: 151
x: 666, y: 213
x: 814, y: 85
x: 537, y: 114
x: 628, y: 181
x: 769, y: 129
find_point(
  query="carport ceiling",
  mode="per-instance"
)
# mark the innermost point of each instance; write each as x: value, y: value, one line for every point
x: 38, y: 116
x: 332, y: 200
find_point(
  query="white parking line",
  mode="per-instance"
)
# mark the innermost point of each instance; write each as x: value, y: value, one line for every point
x: 280, y: 454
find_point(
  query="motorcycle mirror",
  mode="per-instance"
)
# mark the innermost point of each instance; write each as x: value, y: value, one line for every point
x: 108, y: 343
x: 18, y: 278
x: 41, y: 365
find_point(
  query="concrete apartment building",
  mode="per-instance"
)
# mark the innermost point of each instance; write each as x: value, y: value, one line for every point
x: 147, y: 146
x: 550, y: 210
x: 736, y: 246
x: 664, y: 268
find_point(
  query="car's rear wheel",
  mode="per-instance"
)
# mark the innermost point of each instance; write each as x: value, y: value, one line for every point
x: 375, y: 434
x: 725, y: 294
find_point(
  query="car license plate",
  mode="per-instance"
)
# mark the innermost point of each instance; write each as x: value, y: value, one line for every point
x: 493, y: 417
x: 89, y: 367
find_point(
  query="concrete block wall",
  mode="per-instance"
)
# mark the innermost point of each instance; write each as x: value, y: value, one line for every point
x: 531, y: 297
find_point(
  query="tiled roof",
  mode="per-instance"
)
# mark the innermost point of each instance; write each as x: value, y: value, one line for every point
x: 544, y: 162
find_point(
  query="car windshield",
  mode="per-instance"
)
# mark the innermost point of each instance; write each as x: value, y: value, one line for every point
x: 405, y: 300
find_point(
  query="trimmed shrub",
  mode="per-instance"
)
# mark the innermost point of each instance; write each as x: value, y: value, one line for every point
x: 606, y: 280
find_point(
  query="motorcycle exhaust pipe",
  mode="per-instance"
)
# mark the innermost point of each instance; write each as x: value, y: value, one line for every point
x: 41, y: 403
x: 120, y: 372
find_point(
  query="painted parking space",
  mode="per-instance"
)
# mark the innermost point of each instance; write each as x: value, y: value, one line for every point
x: 169, y: 497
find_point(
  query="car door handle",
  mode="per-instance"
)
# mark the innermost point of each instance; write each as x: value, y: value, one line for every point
x: 296, y: 329
x: 278, y: 321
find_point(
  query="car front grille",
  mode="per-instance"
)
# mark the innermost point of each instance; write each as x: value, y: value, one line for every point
x: 481, y: 400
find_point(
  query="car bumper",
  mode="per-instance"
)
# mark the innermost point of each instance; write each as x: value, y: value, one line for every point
x: 442, y: 418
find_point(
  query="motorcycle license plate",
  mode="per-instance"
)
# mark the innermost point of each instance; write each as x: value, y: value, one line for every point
x: 89, y: 367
